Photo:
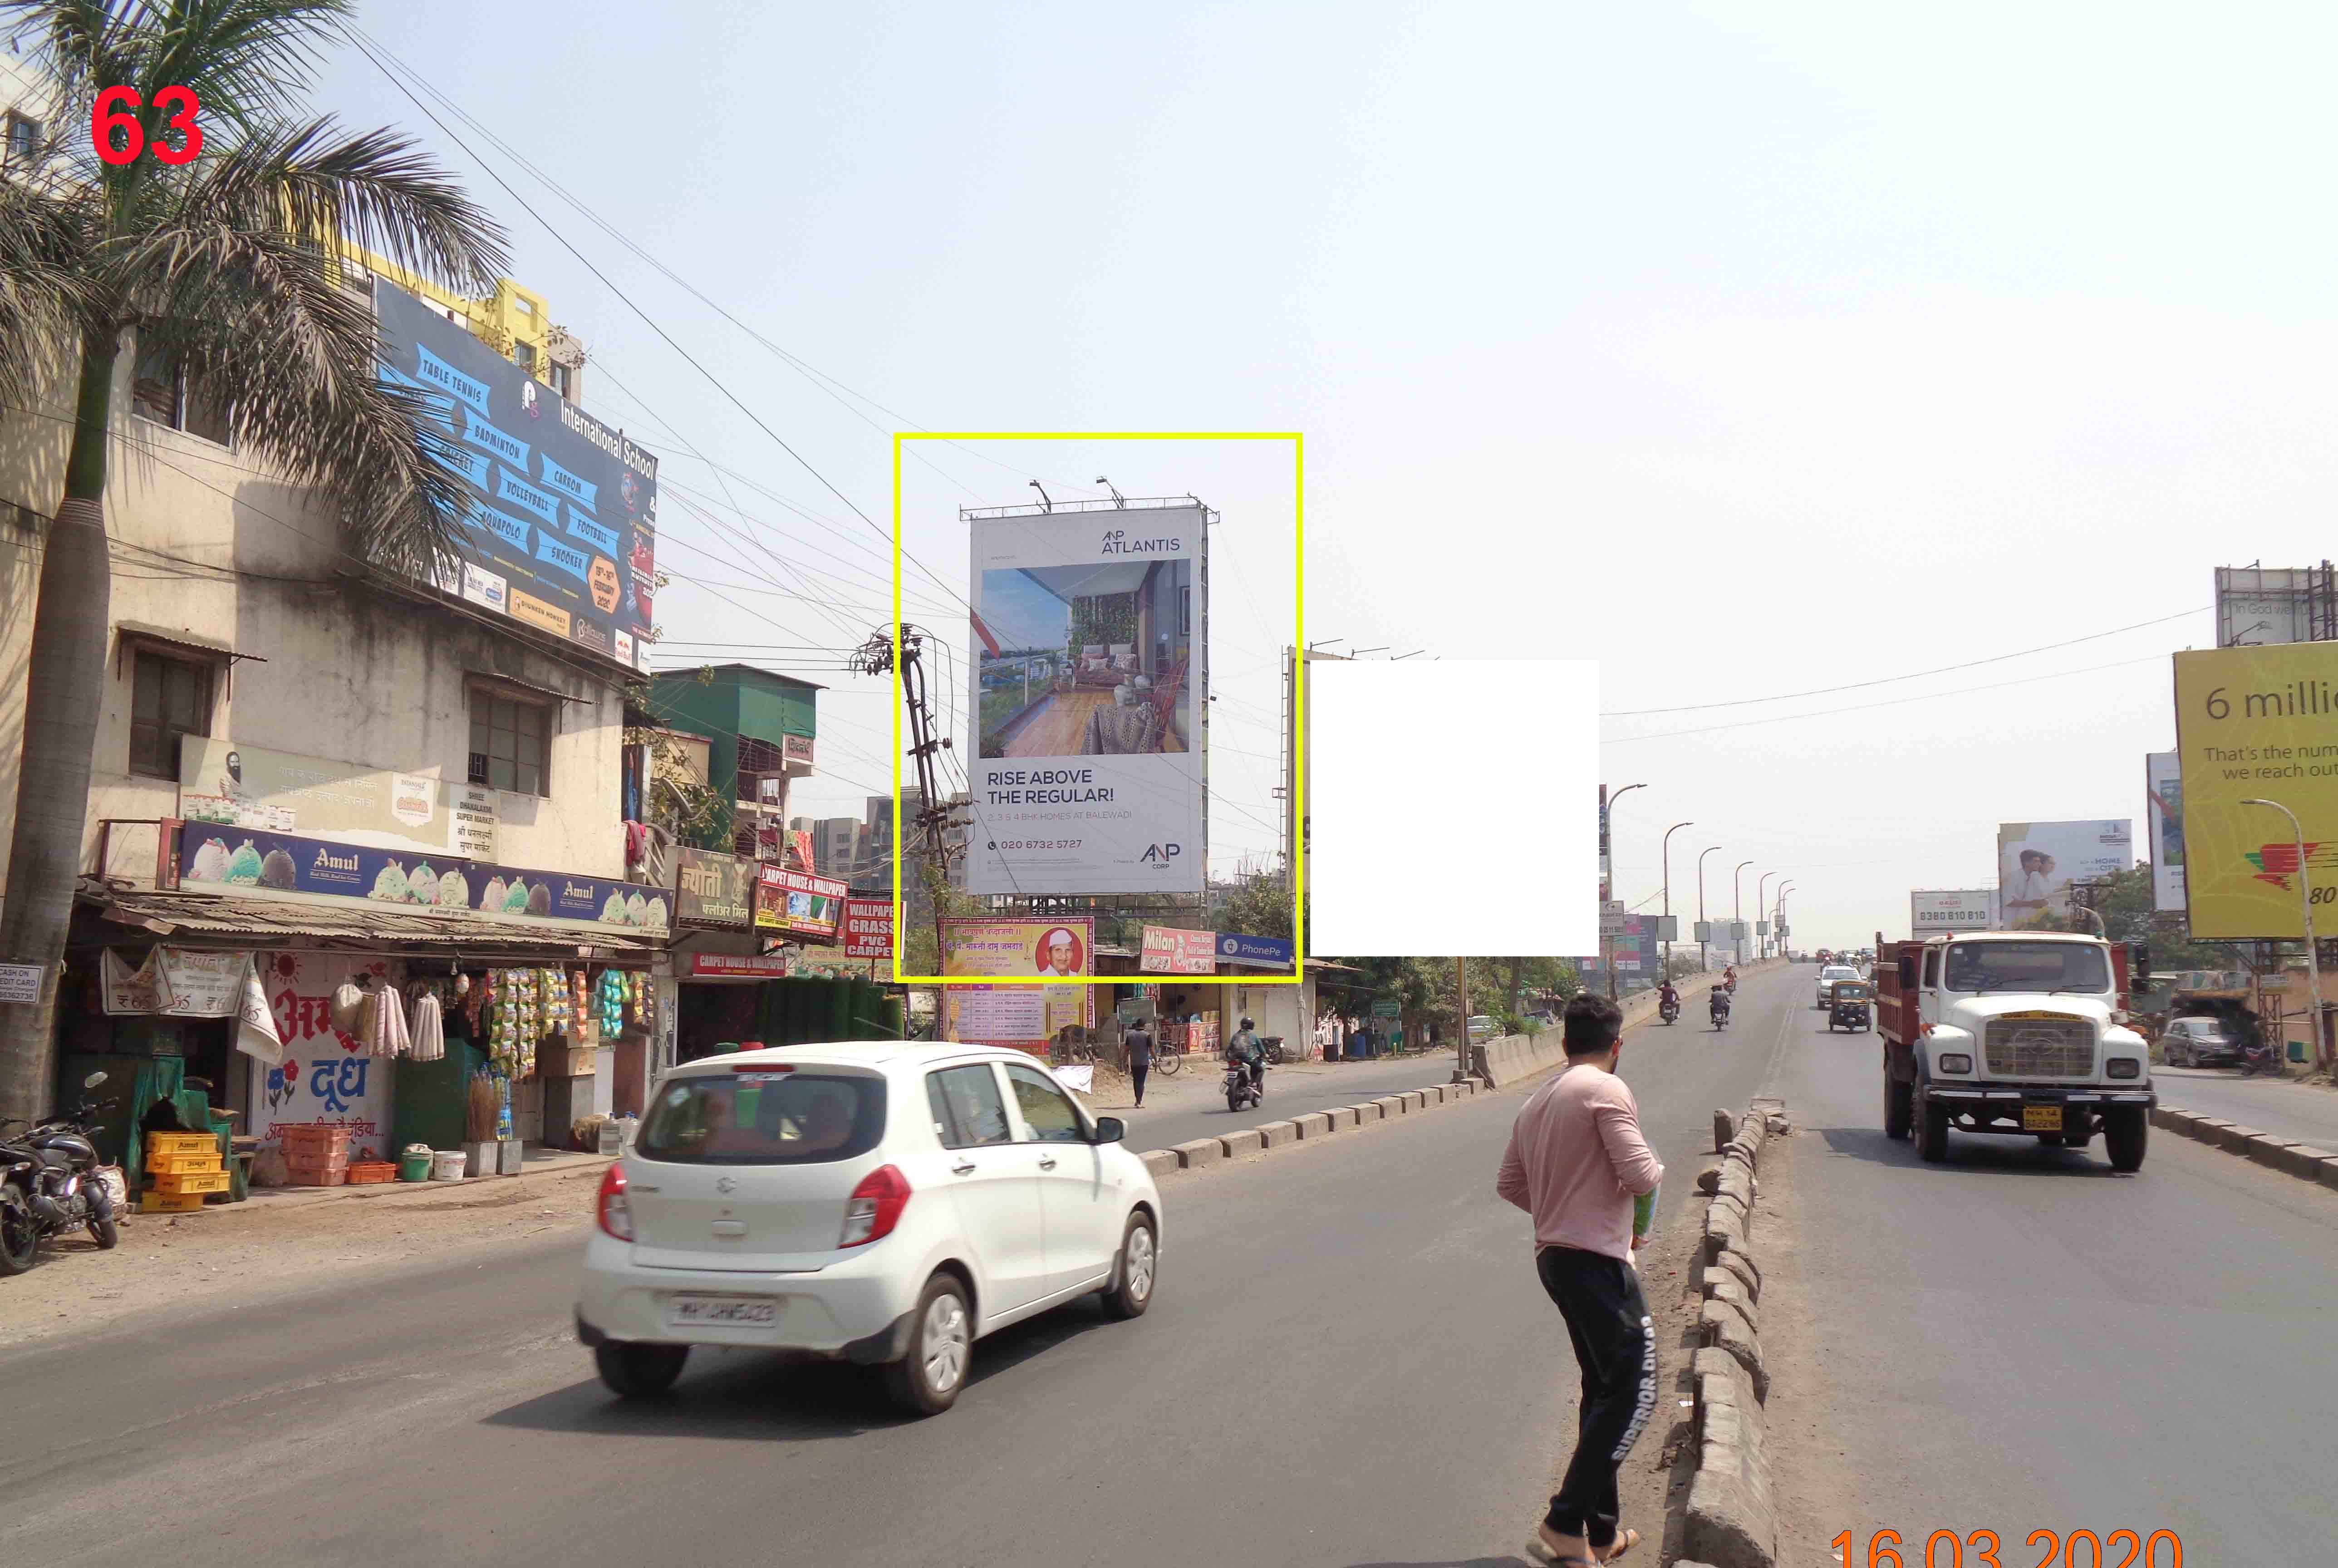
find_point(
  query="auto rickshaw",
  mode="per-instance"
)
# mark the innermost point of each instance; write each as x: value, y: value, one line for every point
x: 1852, y: 1007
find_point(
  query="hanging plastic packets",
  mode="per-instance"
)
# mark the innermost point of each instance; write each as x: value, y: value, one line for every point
x: 430, y: 1030
x: 386, y: 1032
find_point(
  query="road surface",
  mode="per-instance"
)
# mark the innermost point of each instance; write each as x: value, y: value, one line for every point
x: 1349, y: 1363
x: 1178, y: 1115
x: 2020, y: 1338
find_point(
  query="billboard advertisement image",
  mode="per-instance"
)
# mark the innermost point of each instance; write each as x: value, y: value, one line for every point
x: 2162, y: 789
x: 2255, y: 723
x: 1091, y: 692
x: 1016, y: 1014
x: 560, y: 523
x: 233, y: 785
x: 2037, y: 861
x: 1934, y: 910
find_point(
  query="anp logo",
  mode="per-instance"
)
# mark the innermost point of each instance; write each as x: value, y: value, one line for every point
x: 1161, y: 853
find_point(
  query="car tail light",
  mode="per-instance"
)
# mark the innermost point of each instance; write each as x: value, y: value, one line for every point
x: 875, y: 1207
x: 611, y: 1208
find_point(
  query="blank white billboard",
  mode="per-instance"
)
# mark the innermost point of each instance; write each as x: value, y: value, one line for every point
x: 1455, y: 807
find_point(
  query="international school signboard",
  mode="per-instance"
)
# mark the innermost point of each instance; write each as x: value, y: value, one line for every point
x: 559, y: 524
x: 2257, y: 724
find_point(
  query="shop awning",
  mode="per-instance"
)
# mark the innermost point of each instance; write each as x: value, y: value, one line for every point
x: 259, y: 922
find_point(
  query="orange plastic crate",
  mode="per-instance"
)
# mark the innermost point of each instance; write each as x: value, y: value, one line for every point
x: 299, y: 1138
x: 364, y: 1170
x: 166, y: 1203
x: 337, y: 1176
x: 182, y: 1143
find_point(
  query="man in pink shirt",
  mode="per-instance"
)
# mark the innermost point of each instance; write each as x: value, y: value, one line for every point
x: 1575, y: 1162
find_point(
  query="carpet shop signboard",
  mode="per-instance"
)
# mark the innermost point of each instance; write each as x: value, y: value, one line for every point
x: 799, y: 903
x: 868, y: 927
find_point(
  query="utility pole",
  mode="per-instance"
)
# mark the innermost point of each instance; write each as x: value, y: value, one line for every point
x: 1703, y: 945
x: 1761, y: 912
x: 1668, y: 894
x: 1461, y: 1044
x: 935, y: 816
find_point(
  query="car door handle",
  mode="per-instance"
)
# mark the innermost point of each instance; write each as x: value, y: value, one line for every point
x: 965, y: 1167
x: 1046, y: 1162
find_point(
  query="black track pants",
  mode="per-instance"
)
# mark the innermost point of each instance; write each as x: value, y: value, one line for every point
x: 1616, y: 1347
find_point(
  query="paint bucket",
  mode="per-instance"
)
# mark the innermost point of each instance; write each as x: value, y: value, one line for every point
x: 414, y: 1167
x: 447, y: 1164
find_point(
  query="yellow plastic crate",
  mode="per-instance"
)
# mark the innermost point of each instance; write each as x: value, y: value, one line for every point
x: 184, y: 1164
x: 182, y: 1143
x: 191, y: 1181
x: 166, y: 1203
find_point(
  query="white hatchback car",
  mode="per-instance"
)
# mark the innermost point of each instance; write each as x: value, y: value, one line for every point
x: 1828, y: 977
x: 885, y: 1202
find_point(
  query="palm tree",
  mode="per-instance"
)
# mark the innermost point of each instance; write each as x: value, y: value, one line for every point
x: 225, y: 263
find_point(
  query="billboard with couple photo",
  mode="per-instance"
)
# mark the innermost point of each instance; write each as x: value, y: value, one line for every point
x: 2037, y: 861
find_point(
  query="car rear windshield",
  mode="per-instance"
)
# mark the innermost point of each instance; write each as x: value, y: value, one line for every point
x: 790, y: 1118
x: 1983, y: 966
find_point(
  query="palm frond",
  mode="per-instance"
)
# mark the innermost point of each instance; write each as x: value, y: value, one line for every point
x: 45, y: 298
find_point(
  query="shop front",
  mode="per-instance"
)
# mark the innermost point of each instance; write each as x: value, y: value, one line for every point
x: 758, y: 963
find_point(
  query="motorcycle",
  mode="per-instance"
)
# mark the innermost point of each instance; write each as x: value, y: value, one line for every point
x: 1669, y: 1009
x: 1241, y: 1089
x: 2263, y: 1056
x: 1721, y: 1009
x: 1273, y: 1045
x: 49, y: 1184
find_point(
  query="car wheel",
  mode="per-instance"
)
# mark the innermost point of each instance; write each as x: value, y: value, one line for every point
x: 637, y: 1371
x: 925, y: 1382
x: 2125, y: 1130
x: 1140, y: 1263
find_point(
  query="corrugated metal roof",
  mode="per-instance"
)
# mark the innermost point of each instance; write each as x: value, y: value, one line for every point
x: 235, y: 915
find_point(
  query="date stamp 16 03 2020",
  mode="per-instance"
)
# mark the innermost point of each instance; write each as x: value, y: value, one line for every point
x: 1981, y: 1549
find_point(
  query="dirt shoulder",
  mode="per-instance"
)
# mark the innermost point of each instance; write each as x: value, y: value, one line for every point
x: 222, y: 1258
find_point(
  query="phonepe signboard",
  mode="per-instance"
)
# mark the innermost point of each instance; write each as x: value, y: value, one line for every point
x: 1091, y: 680
x: 559, y: 525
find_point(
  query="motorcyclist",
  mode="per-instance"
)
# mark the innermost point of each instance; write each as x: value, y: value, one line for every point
x: 1719, y: 1004
x: 1729, y: 979
x: 1667, y: 997
x: 1244, y: 1049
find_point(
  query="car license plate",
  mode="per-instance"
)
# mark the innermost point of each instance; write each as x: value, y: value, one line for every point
x: 2041, y: 1118
x: 722, y: 1311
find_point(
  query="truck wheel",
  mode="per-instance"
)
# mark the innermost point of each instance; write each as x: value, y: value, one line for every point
x: 1932, y: 1133
x: 1897, y: 1099
x: 2126, y: 1129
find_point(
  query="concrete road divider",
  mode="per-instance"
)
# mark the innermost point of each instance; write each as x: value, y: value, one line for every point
x: 1243, y: 1141
x: 1199, y: 1152
x: 2306, y: 1161
x: 1277, y: 1133
x: 1341, y: 1116
x: 1731, y: 1518
x: 1314, y: 1124
x: 1159, y: 1161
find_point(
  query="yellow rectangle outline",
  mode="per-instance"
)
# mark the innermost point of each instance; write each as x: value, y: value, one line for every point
x: 1297, y: 802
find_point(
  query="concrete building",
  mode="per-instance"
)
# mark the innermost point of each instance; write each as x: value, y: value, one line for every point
x: 759, y: 728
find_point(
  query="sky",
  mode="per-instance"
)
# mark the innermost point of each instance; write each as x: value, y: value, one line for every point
x: 1749, y: 349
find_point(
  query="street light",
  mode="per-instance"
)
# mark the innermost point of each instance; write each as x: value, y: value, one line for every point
x: 1607, y: 844
x: 1778, y: 915
x: 2305, y: 907
x: 1704, y: 958
x: 1737, y: 906
x: 1762, y: 902
x: 1668, y: 893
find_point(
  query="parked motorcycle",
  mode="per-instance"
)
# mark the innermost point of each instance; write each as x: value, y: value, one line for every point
x: 1720, y: 1008
x: 2263, y: 1056
x: 1242, y: 1090
x: 49, y: 1184
x: 1272, y: 1046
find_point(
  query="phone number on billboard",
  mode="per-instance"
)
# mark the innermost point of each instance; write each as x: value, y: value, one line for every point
x: 1038, y: 843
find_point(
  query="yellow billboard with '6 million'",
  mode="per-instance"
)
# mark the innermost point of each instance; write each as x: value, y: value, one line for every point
x: 2255, y: 724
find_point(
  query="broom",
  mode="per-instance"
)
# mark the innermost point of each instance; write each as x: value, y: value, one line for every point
x: 479, y: 1113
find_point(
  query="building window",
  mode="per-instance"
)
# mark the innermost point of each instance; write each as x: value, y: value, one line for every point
x: 525, y: 352
x: 168, y: 698
x: 561, y: 382
x: 24, y: 139
x: 509, y: 744
x: 162, y: 392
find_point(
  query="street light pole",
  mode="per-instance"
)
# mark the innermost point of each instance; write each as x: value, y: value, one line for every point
x: 1608, y: 848
x: 1762, y: 902
x: 1703, y: 955
x: 1737, y: 907
x: 1668, y: 893
x: 2305, y: 908
x: 1778, y: 915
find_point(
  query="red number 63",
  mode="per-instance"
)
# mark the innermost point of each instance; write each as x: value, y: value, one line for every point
x: 119, y: 138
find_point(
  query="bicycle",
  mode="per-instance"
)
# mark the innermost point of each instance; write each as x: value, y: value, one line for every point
x: 1168, y: 1055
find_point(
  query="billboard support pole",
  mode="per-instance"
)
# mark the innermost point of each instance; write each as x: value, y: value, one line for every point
x: 2305, y: 905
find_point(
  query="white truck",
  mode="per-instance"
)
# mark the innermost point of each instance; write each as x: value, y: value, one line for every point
x: 2012, y: 1031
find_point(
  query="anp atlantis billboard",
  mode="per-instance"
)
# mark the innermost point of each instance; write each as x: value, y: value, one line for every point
x: 2037, y: 861
x: 2162, y: 789
x: 2258, y: 723
x: 1091, y: 685
x: 559, y: 529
